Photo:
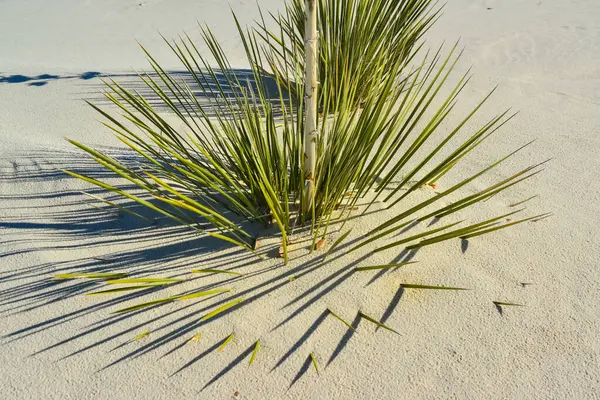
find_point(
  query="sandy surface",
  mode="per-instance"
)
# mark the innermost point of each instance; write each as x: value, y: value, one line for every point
x: 59, y: 344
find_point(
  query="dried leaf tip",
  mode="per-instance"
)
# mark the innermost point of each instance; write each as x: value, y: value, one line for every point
x: 226, y: 342
x: 256, y: 347
x: 195, y: 338
x: 314, y: 362
x: 141, y: 336
x: 504, y: 303
x: 321, y: 243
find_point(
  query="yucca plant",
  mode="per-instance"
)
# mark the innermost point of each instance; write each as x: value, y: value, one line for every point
x: 240, y: 158
x: 357, y: 40
x: 228, y: 152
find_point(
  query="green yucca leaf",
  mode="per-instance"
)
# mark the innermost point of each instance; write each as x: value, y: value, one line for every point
x: 226, y: 342
x: 123, y: 209
x: 215, y: 271
x: 503, y: 303
x: 434, y: 85
x: 443, y: 194
x: 489, y: 230
x: 373, y: 320
x: 194, y: 206
x: 91, y: 275
x: 484, y: 194
x: 542, y: 217
x: 379, y: 236
x: 195, y: 338
x: 202, y: 294
x: 386, y: 266
x: 348, y: 57
x: 336, y: 243
x: 428, y: 287
x: 172, y: 299
x: 341, y: 320
x: 161, y: 281
x: 411, y: 238
x: 524, y: 201
x: 222, y: 309
x: 465, y: 232
x: 314, y: 362
x: 141, y: 336
x: 146, y: 305
x: 256, y: 347
x: 121, y: 192
x: 123, y: 289
x: 231, y: 151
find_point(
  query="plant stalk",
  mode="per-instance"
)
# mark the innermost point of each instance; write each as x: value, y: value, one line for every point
x: 311, y: 133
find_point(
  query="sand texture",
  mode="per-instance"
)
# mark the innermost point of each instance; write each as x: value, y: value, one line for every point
x: 59, y: 344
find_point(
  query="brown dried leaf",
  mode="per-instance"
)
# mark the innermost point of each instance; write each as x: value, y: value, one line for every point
x: 321, y: 243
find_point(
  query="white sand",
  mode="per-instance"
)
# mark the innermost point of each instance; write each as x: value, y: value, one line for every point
x: 546, y: 57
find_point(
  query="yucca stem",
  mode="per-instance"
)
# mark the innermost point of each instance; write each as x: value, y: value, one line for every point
x: 310, y: 98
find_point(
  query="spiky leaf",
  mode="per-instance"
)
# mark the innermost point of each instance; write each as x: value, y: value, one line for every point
x: 386, y: 266
x: 341, y: 320
x: 91, y: 275
x: 429, y: 287
x: 216, y: 271
x: 158, y: 281
x: 378, y: 323
x: 222, y: 309
x: 124, y: 289
x: 256, y: 347
x: 314, y: 362
x: 226, y: 342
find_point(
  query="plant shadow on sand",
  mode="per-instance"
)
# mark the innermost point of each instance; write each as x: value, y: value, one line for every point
x: 217, y: 89
x: 86, y: 236
x: 119, y: 242
x: 44, y: 79
x: 243, y: 75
